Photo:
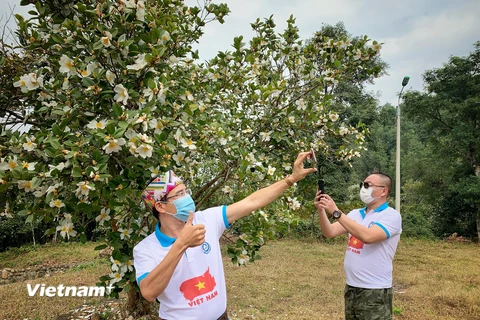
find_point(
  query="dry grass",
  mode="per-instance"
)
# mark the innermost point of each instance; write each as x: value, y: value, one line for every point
x: 301, y: 280
x: 48, y: 254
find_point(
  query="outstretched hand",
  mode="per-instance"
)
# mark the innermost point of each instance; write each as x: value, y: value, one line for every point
x: 192, y: 235
x: 299, y: 172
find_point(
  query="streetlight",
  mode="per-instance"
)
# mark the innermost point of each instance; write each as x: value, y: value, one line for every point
x: 397, y: 168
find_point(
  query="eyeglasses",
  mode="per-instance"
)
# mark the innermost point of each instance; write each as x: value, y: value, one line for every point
x: 178, y: 195
x: 368, y: 185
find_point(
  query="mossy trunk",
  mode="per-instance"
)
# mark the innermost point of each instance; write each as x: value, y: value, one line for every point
x: 137, y: 306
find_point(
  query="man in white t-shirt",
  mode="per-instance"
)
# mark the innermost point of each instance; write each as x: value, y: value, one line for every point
x: 180, y: 264
x: 373, y: 232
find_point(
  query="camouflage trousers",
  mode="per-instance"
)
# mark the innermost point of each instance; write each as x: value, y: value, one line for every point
x: 368, y: 304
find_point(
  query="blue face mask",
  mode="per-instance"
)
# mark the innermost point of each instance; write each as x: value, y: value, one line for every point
x: 183, y: 205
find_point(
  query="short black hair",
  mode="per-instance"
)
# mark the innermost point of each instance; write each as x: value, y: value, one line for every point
x: 386, y: 179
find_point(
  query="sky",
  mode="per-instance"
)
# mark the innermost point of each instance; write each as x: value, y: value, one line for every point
x: 417, y: 35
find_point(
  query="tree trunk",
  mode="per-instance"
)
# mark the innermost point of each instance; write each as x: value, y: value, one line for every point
x: 137, y: 306
x: 477, y: 174
x: 478, y: 225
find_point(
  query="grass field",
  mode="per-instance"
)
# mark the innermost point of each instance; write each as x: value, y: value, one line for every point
x: 296, y: 279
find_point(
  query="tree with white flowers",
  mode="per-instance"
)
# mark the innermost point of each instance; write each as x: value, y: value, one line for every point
x: 117, y: 95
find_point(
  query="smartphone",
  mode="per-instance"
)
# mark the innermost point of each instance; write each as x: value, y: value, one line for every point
x: 321, y: 185
x: 313, y: 156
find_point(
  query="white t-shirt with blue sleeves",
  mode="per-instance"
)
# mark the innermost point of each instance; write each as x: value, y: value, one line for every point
x: 197, y: 288
x: 370, y: 265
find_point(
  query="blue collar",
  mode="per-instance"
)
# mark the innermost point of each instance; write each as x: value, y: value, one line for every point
x: 164, y: 240
x: 381, y: 208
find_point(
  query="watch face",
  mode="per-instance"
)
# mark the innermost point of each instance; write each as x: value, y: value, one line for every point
x: 336, y: 214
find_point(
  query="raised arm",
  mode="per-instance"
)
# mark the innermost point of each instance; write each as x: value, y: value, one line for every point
x: 262, y: 197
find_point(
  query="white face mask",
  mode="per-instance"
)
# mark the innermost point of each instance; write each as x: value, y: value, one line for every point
x: 366, y: 195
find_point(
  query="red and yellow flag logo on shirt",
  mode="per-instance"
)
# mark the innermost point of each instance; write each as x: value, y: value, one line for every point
x: 355, y: 243
x: 198, y: 286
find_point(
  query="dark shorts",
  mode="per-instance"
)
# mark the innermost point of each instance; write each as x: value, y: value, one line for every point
x: 368, y: 304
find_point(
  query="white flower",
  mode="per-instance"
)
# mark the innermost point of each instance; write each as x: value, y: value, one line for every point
x: 140, y: 63
x: 129, y: 3
x: 94, y: 124
x: 116, y: 277
x: 291, y: 119
x: 333, y: 117
x: 116, y: 265
x: 227, y: 189
x: 144, y: 232
x: 29, y: 82
x: 144, y: 150
x: 243, y: 257
x: 129, y: 265
x: 24, y: 184
x: 301, y: 104
x: 125, y: 233
x: 57, y: 203
x: 166, y: 36
x: 223, y: 141
x: 103, y: 216
x: 187, y: 96
x: 114, y: 145
x: 140, y: 11
x: 6, y: 212
x: 66, y: 65
x: 155, y: 171
x: 65, y: 84
x: 106, y: 40
x: 30, y: 145
x: 287, y: 166
x: 110, y: 76
x: 83, y: 188
x: 265, y: 135
x: 343, y: 131
x: 188, y: 143
x: 54, y: 188
x: 122, y: 94
x: 179, y: 157
x: 293, y: 203
x: 244, y: 237
x: 271, y: 170
x: 376, y: 47
x: 22, y: 83
x: 263, y: 214
x: 158, y: 125
x: 358, y: 54
x: 66, y: 229
x: 40, y: 192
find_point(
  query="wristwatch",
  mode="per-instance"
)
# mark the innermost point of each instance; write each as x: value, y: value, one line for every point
x: 336, y: 214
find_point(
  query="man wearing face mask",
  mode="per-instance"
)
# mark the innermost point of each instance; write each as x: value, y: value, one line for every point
x: 374, y: 232
x: 180, y: 264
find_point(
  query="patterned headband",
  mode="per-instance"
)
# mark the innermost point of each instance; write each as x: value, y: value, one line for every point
x: 159, y: 187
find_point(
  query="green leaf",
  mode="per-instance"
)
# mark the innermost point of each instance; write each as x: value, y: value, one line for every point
x: 56, y: 38
x: 54, y: 143
x: 87, y: 82
x: 83, y: 238
x: 36, y: 182
x: 98, y: 45
x: 117, y: 110
x: 29, y: 219
x: 77, y: 172
x: 100, y: 247
x: 22, y: 213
